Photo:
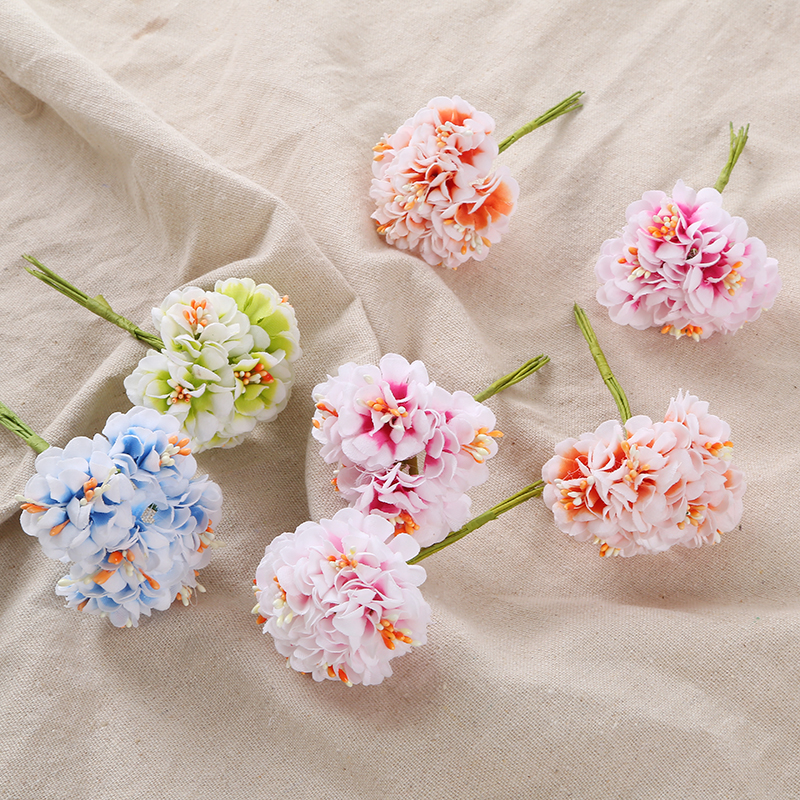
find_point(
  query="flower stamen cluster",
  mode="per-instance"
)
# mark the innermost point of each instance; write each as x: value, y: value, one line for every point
x: 227, y: 361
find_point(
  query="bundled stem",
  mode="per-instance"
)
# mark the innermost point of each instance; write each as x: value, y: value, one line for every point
x: 534, y: 490
x: 98, y: 305
x: 605, y: 371
x: 738, y: 141
x: 564, y: 107
x: 519, y: 374
x: 10, y: 420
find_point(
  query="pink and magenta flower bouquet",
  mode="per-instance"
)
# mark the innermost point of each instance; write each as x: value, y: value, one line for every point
x: 685, y: 265
x: 406, y: 448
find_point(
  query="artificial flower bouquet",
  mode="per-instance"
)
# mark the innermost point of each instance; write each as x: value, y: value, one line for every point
x: 126, y: 510
x: 438, y: 191
x: 224, y: 359
x: 685, y: 265
x: 405, y: 448
x: 636, y: 486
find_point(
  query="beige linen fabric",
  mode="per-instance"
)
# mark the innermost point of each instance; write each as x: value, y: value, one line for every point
x: 149, y: 144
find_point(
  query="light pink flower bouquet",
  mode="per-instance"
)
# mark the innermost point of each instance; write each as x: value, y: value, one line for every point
x: 437, y: 189
x: 685, y: 265
x: 644, y: 486
x: 341, y: 597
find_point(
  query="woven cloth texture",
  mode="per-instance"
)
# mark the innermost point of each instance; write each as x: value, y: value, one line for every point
x: 151, y: 144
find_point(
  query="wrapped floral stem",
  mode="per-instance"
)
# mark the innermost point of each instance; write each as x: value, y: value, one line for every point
x: 97, y: 305
x: 738, y: 141
x: 564, y: 107
x: 10, y: 420
x: 519, y: 374
x: 602, y: 365
x: 533, y: 490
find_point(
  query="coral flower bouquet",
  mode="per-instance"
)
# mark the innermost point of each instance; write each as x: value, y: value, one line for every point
x: 685, y: 265
x: 438, y: 190
x: 636, y: 486
x: 341, y: 597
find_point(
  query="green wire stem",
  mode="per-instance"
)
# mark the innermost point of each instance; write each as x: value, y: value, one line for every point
x: 605, y: 371
x: 534, y: 490
x: 738, y: 141
x: 98, y: 305
x: 519, y: 374
x: 10, y: 420
x: 564, y: 107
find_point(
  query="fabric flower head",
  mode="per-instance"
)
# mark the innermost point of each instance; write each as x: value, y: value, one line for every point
x: 339, y: 598
x: 373, y: 416
x: 128, y: 509
x: 424, y: 505
x: 226, y: 364
x: 435, y: 186
x: 643, y: 487
x: 685, y: 265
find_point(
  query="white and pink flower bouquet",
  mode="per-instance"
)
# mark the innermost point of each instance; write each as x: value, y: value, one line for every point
x: 637, y: 486
x: 341, y: 597
x: 436, y: 185
x: 406, y: 449
x: 685, y: 265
